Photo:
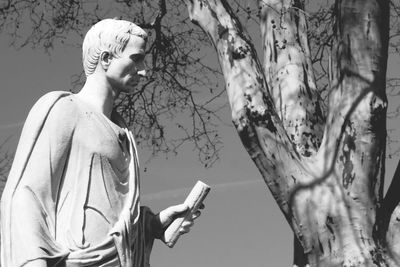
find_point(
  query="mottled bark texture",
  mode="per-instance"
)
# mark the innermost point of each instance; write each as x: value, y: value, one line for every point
x: 288, y: 72
x: 325, y: 174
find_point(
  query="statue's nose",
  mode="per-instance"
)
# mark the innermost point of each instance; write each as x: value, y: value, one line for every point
x: 142, y: 73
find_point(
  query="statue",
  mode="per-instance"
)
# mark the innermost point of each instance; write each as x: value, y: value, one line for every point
x: 72, y: 196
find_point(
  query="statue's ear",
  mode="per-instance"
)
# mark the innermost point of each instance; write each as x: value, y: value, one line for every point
x: 105, y: 59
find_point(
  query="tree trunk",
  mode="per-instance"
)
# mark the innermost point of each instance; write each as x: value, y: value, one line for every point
x: 326, y: 176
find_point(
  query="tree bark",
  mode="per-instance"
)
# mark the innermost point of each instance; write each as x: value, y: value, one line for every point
x: 390, y: 217
x: 330, y: 190
x: 289, y: 74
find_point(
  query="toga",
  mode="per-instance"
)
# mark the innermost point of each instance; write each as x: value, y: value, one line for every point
x: 72, y: 196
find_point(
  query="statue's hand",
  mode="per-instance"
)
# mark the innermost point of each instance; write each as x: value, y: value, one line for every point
x: 167, y: 216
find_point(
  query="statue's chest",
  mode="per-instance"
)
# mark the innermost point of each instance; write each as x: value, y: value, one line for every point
x: 101, y: 163
x: 103, y: 138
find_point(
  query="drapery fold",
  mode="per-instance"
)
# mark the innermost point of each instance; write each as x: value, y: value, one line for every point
x: 54, y: 204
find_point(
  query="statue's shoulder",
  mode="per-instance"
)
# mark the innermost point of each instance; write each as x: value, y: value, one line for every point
x: 55, y: 107
x: 48, y: 101
x: 60, y: 102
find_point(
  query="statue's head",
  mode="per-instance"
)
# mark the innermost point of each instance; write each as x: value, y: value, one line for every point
x: 110, y: 35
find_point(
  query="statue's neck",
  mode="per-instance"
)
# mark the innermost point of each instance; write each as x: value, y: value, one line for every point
x: 98, y: 94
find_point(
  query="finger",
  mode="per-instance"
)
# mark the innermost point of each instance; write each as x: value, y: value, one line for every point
x: 168, y: 215
x: 196, y: 215
x: 183, y: 230
x: 185, y: 227
x: 178, y: 209
x: 187, y: 224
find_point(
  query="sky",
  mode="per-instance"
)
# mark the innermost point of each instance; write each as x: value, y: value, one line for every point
x: 241, y: 223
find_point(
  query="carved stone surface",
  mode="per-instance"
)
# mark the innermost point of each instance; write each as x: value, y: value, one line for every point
x: 72, y: 196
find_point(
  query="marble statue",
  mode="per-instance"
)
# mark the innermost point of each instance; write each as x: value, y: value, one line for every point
x: 72, y: 197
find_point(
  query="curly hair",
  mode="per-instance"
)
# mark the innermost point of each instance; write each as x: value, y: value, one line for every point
x: 107, y: 35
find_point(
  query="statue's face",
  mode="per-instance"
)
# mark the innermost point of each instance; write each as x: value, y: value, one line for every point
x: 125, y: 70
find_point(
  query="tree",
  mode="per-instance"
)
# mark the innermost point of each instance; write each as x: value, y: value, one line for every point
x: 322, y: 160
x: 325, y: 172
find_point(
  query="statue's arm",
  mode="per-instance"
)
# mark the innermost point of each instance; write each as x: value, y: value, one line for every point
x: 29, y: 231
x: 153, y: 227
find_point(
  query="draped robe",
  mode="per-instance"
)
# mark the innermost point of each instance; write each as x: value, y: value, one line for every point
x: 72, y: 196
